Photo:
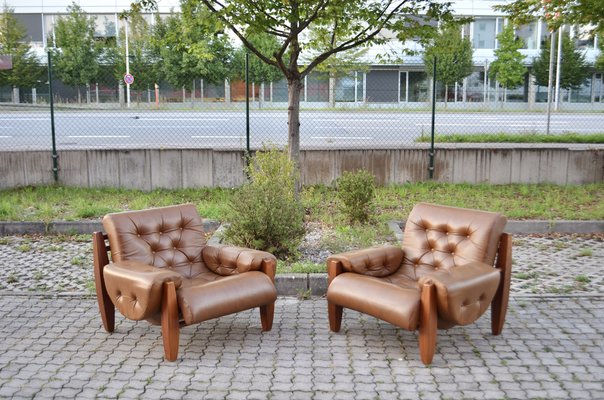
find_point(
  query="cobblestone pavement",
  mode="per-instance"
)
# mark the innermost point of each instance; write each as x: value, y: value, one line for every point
x: 543, y: 264
x: 56, y: 347
x: 52, y: 344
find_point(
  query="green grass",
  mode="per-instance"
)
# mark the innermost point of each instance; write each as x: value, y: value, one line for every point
x: 569, y: 137
x: 300, y: 268
x: 545, y: 202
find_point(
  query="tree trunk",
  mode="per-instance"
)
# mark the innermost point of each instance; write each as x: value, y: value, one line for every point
x: 446, y: 95
x: 79, y: 96
x: 294, y: 87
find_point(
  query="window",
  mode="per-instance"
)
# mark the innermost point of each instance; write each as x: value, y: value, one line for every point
x: 317, y: 87
x: 403, y: 96
x: 584, y: 39
x: 418, y: 86
x: 529, y: 35
x: 485, y: 33
x: 345, y: 88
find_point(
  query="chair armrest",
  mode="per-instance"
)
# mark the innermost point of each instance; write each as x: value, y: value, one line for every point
x: 464, y: 292
x: 228, y: 260
x: 136, y: 288
x: 374, y: 261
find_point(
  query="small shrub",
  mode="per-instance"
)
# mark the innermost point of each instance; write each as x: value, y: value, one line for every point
x: 356, y: 191
x: 265, y: 213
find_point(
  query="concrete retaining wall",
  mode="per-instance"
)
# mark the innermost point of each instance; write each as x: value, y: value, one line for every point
x: 180, y: 168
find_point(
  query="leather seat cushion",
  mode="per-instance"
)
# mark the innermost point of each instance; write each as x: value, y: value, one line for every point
x: 225, y: 296
x: 397, y: 305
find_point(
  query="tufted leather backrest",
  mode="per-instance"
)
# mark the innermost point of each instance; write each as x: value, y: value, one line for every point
x: 167, y: 237
x: 440, y: 237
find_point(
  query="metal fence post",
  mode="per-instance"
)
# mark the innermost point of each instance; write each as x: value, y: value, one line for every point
x: 247, y: 103
x: 431, y: 167
x: 55, y: 161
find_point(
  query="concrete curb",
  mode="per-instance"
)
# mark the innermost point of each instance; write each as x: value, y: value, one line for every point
x: 69, y: 227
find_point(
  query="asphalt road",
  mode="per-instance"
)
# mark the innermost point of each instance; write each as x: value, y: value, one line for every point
x: 226, y: 129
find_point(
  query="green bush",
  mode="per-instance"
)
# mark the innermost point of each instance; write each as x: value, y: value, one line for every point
x: 355, y: 195
x: 265, y: 213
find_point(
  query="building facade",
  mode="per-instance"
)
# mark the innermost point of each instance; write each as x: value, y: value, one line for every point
x: 379, y: 85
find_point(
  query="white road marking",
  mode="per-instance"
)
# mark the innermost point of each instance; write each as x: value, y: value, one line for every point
x: 356, y: 120
x: 98, y: 136
x: 26, y: 119
x: 343, y: 137
x: 482, y: 125
x: 168, y: 126
x: 5, y: 137
x: 181, y: 119
x: 217, y: 137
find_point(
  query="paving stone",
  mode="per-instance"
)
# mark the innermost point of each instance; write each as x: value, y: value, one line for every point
x: 551, y: 345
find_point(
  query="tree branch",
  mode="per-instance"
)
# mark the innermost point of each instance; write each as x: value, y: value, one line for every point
x: 240, y: 35
x: 359, y: 39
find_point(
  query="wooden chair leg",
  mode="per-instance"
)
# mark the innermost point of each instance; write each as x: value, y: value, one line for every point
x: 169, y: 321
x: 106, y: 307
x: 334, y: 312
x: 427, y: 323
x: 499, y: 305
x: 267, y: 313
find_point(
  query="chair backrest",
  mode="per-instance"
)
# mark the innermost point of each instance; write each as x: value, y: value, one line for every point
x: 438, y: 237
x: 167, y: 237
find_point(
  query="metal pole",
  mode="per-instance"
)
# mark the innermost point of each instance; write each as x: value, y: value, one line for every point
x: 552, y: 48
x: 247, y: 102
x: 431, y: 167
x: 55, y: 157
x: 127, y: 65
x: 558, y: 60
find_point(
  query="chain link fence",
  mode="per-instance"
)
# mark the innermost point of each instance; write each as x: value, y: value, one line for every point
x: 380, y: 107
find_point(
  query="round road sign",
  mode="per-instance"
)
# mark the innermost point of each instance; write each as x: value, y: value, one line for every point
x: 129, y: 79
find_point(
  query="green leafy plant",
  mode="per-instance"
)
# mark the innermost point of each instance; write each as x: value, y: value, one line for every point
x: 356, y: 191
x: 265, y: 213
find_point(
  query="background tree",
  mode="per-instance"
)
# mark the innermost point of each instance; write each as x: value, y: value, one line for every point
x: 14, y: 42
x: 557, y: 12
x: 259, y: 71
x: 599, y: 64
x: 453, y: 56
x: 574, y: 68
x: 143, y: 57
x: 77, y: 58
x: 194, y: 46
x: 508, y: 69
x: 353, y: 23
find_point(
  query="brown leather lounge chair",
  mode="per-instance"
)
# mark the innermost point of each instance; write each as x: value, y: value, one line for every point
x: 164, y: 272
x: 454, y: 263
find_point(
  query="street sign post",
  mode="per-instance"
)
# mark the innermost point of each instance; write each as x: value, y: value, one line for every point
x: 128, y: 79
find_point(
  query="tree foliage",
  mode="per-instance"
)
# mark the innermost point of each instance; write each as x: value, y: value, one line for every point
x: 25, y: 71
x: 143, y: 57
x: 259, y: 71
x: 453, y: 56
x: 557, y: 12
x: 599, y: 64
x: 508, y: 68
x: 76, y: 59
x: 574, y: 68
x: 193, y: 46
